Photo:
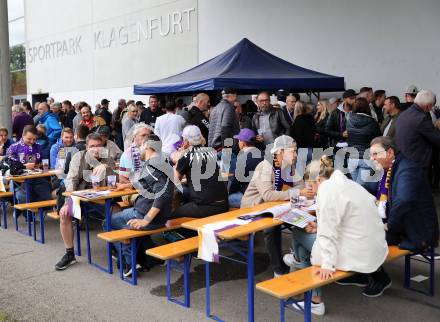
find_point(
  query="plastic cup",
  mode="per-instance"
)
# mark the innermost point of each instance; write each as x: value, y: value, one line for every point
x: 95, y: 182
x: 111, y: 181
x: 294, y: 196
x: 45, y: 163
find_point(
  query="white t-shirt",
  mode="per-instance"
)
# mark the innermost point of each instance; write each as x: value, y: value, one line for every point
x: 169, y: 129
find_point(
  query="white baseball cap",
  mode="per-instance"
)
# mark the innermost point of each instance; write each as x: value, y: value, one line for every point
x: 412, y: 89
x: 282, y: 142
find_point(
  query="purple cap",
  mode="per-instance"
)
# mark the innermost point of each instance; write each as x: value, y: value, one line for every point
x: 246, y: 135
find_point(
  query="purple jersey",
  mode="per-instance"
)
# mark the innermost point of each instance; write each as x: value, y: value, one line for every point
x: 25, y: 153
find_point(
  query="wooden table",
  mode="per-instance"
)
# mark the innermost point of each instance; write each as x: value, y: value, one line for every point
x: 229, y: 235
x: 107, y: 201
x: 24, y: 178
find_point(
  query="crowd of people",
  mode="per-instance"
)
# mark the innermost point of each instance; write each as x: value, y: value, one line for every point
x: 370, y: 161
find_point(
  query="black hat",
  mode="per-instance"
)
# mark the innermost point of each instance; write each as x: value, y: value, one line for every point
x: 140, y: 103
x: 349, y: 93
x: 104, y: 130
x: 104, y: 101
x: 229, y: 91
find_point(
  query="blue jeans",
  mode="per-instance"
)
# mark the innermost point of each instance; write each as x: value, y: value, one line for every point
x: 302, y: 243
x: 39, y: 190
x: 235, y: 199
x: 360, y: 173
x: 119, y: 221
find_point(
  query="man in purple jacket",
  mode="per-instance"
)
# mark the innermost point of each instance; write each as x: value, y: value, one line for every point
x: 28, y: 152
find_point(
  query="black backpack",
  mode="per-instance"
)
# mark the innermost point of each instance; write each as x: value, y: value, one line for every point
x: 14, y: 167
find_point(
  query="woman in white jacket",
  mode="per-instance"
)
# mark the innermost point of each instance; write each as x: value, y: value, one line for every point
x: 350, y: 235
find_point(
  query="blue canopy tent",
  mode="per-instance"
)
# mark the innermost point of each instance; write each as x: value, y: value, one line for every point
x: 247, y: 68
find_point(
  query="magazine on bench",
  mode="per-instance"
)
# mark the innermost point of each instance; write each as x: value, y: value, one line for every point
x: 293, y: 216
x: 91, y: 194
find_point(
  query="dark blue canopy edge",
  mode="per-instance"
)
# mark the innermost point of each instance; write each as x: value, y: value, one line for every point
x: 247, y: 68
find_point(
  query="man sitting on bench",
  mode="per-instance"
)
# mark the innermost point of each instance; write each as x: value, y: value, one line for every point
x: 409, y: 213
x: 83, y: 165
x: 28, y: 152
x: 154, y: 202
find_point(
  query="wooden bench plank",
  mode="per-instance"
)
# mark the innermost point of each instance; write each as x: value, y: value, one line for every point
x: 176, y: 249
x: 123, y: 204
x: 6, y: 194
x: 304, y: 280
x: 53, y: 215
x: 126, y: 234
x: 36, y: 205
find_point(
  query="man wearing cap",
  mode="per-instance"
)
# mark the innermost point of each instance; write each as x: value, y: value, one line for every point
x: 415, y: 132
x: 247, y: 160
x: 113, y: 150
x: 152, y: 112
x: 104, y: 111
x: 336, y: 124
x: 196, y: 114
x: 207, y: 195
x: 410, y: 94
x: 268, y: 184
x: 268, y: 122
x: 223, y: 121
x: 333, y: 101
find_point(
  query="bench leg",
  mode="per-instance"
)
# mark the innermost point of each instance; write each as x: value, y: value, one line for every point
x: 86, y: 218
x: 429, y: 256
x: 34, y: 224
x: 250, y: 271
x: 186, y: 280
x: 282, y: 310
x: 42, y: 225
x: 5, y: 217
x: 28, y: 213
x: 431, y: 271
x: 133, y: 261
x: 185, y: 268
x: 78, y: 237
x: 407, y: 271
x: 308, y: 306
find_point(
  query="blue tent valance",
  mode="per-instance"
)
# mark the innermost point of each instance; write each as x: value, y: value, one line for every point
x: 245, y: 67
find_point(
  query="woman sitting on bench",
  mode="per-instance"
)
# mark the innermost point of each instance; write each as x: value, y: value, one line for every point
x: 350, y: 233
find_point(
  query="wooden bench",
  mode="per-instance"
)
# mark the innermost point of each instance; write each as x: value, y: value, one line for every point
x: 305, y: 280
x: 171, y: 253
x: 130, y: 236
x: 3, y: 200
x: 36, y: 207
x: 124, y: 204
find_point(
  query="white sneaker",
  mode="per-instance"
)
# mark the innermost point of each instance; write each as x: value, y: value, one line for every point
x: 317, y: 308
x: 291, y: 261
x: 275, y: 275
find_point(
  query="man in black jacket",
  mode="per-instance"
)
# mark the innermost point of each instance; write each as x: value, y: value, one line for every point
x: 155, y: 198
x: 415, y: 133
x: 406, y: 199
x: 104, y: 112
x: 336, y: 127
x: 196, y: 116
x: 152, y: 112
x: 268, y: 122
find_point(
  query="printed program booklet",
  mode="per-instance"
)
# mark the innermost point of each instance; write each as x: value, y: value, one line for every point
x: 284, y: 212
x: 91, y: 194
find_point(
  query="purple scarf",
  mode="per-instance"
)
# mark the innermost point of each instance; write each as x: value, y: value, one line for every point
x: 279, y: 181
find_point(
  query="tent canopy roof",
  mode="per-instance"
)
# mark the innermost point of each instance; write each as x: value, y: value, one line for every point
x: 247, y: 68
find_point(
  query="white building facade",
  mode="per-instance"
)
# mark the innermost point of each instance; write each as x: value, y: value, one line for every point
x: 93, y: 49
